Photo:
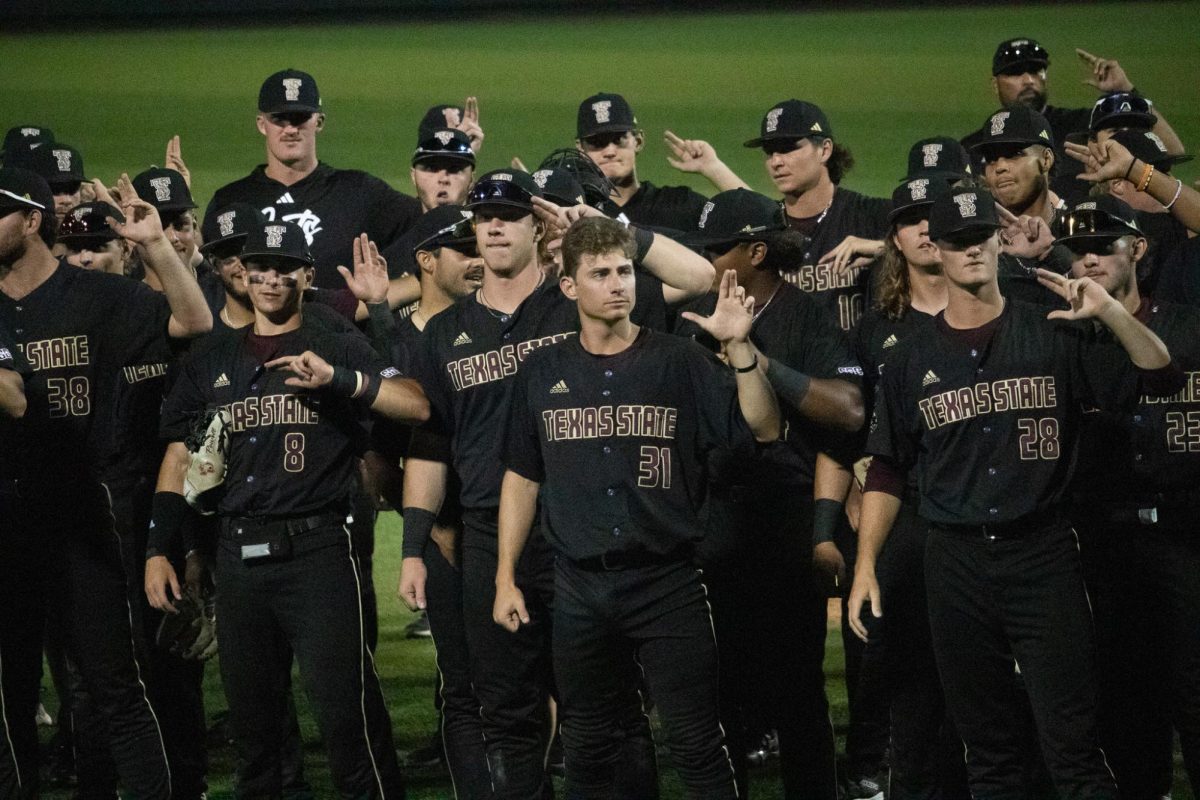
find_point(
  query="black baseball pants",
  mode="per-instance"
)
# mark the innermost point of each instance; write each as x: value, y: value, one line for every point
x: 996, y: 605
x: 511, y: 672
x: 67, y: 555
x: 1144, y: 581
x: 462, y: 731
x: 657, y: 617
x: 308, y: 604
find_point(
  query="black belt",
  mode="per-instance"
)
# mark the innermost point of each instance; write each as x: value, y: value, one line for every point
x: 1016, y: 529
x: 628, y: 559
x: 292, y: 526
x: 1167, y: 509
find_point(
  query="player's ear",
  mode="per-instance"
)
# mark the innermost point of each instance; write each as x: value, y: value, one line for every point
x: 757, y: 253
x: 567, y: 284
x: 320, y: 122
x: 310, y: 275
x: 995, y: 87
x: 826, y: 148
x: 1138, y: 251
x: 425, y: 261
x: 260, y: 122
x: 1047, y: 159
x: 639, y: 140
x: 539, y: 229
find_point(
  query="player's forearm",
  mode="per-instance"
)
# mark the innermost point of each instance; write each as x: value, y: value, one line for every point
x: 518, y: 506
x: 879, y: 511
x: 834, y: 403
x: 722, y: 177
x: 685, y: 275
x: 1162, y: 187
x: 403, y: 290
x: 190, y: 315
x: 401, y: 399
x: 425, y: 483
x: 12, y: 394
x: 756, y: 398
x: 169, y: 510
x: 831, y: 480
x: 174, y: 468
x: 381, y: 328
x: 1145, y: 349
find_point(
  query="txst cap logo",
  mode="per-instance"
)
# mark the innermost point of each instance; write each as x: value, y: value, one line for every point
x: 930, y: 154
x: 162, y: 189
x: 966, y: 204
x: 918, y: 188
x: 500, y: 176
x: 601, y: 109
x: 704, y: 214
x: 1152, y: 136
x: 274, y: 235
x: 540, y: 177
x: 225, y: 223
x: 444, y: 137
x: 30, y: 132
x: 773, y: 119
x: 291, y: 89
x: 998, y: 121
x: 79, y: 213
x: 1089, y: 206
x: 64, y: 159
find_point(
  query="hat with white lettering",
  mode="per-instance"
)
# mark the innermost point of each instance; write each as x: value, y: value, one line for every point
x: 25, y: 137
x: 1100, y: 217
x: 1149, y: 148
x: 163, y: 188
x: 225, y: 231
x: 737, y: 215
x: 961, y: 211
x: 604, y: 113
x: 1018, y: 125
x: 1122, y: 110
x: 795, y: 120
x: 277, y: 240
x: 89, y: 222
x: 60, y: 164
x: 288, y: 92
x: 504, y: 187
x: 938, y: 157
x: 22, y: 190
x: 918, y: 193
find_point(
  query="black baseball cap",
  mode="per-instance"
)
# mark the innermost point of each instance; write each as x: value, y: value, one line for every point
x: 289, y: 91
x: 737, y: 215
x: 1149, y: 148
x: 938, y: 157
x: 1008, y: 126
x: 445, y: 143
x: 959, y: 211
x: 89, y: 222
x: 559, y: 186
x: 915, y: 193
x: 26, y: 137
x: 60, y: 164
x: 444, y: 226
x: 163, y: 188
x: 597, y: 188
x: 22, y: 190
x: 435, y: 120
x: 604, y: 113
x: 792, y: 119
x: 224, y: 232
x: 504, y: 187
x: 1016, y: 56
x: 1100, y: 217
x: 281, y: 240
x: 1122, y: 110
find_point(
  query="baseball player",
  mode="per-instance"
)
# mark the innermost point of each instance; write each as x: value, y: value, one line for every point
x: 607, y: 131
x: 332, y: 206
x: 90, y: 242
x: 20, y: 138
x: 286, y: 569
x: 612, y: 427
x: 983, y: 400
x: 1133, y: 500
x: 14, y: 370
x: 62, y: 167
x: 472, y: 350
x: 78, y: 330
x: 775, y: 512
x: 807, y: 165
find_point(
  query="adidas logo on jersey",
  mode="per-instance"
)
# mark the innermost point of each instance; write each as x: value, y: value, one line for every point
x: 462, y: 339
x: 930, y: 378
x: 890, y: 341
x: 286, y: 197
x: 221, y: 381
x: 559, y: 388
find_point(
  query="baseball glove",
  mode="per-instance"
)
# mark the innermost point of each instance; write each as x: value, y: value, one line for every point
x: 209, y: 446
x: 192, y: 633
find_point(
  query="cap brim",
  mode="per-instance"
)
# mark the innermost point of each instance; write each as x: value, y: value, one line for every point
x: 941, y: 174
x: 1039, y: 63
x: 608, y: 127
x: 453, y: 244
x: 492, y: 201
x: 237, y: 239
x: 289, y: 108
x: 250, y: 255
x: 897, y: 211
x: 1125, y: 119
x: 429, y: 155
x: 974, y: 226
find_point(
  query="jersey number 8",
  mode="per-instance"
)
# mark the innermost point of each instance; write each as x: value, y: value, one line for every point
x: 293, y: 452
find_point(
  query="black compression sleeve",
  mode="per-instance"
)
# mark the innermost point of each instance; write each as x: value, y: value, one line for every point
x: 643, y: 239
x: 418, y: 525
x: 790, y: 384
x: 826, y: 513
x: 381, y: 326
x: 169, y: 513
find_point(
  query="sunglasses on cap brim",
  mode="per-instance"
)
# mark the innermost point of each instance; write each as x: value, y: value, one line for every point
x: 1092, y: 245
x: 501, y: 192
x: 455, y: 149
x: 1093, y: 223
x: 455, y: 236
x: 91, y: 224
x: 1021, y: 57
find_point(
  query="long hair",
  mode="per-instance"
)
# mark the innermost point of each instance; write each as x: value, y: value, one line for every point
x: 893, y: 292
x: 841, y: 161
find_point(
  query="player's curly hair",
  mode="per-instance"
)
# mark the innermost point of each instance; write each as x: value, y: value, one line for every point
x: 841, y: 161
x: 893, y: 292
x: 785, y: 250
x: 594, y: 236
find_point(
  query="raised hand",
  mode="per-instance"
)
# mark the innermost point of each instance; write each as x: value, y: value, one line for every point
x: 369, y: 280
x: 141, y: 225
x: 733, y: 315
x: 1024, y: 236
x: 1103, y: 161
x: 174, y: 160
x: 1107, y: 75
x: 311, y: 371
x: 560, y: 218
x: 1086, y: 298
x: 469, y: 123
x: 854, y: 252
x: 690, y: 155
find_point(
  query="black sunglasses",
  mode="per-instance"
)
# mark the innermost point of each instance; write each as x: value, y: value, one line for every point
x: 497, y: 191
x: 1120, y: 103
x: 1093, y: 223
x: 452, y: 147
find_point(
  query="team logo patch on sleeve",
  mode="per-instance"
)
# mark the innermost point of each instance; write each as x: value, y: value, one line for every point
x: 390, y: 372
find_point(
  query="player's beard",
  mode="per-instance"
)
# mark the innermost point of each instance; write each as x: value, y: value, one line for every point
x: 10, y: 254
x: 1032, y: 98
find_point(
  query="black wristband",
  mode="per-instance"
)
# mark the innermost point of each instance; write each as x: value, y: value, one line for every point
x: 643, y: 239
x: 826, y: 516
x: 370, y: 389
x: 345, y: 382
x: 418, y: 525
x: 382, y: 325
x: 169, y: 512
x: 750, y: 368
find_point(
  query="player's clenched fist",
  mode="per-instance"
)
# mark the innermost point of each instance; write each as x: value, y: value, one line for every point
x: 413, y: 576
x: 509, y: 609
x: 162, y: 584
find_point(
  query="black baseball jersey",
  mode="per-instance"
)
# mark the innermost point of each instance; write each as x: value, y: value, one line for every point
x: 1179, y: 277
x: 842, y: 295
x: 619, y: 442
x: 78, y: 332
x: 11, y: 357
x: 291, y: 452
x: 877, y: 337
x: 793, y: 329
x: 1135, y: 445
x: 1018, y: 277
x: 1163, y: 235
x: 332, y: 206
x: 989, y: 417
x: 674, y: 207
x: 1062, y: 121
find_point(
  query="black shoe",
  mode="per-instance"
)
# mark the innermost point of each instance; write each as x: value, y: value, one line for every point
x: 418, y: 628
x: 556, y: 760
x: 766, y: 749
x: 431, y: 754
x: 864, y: 788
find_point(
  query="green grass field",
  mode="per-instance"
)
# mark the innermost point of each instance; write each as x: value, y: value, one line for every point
x: 885, y: 78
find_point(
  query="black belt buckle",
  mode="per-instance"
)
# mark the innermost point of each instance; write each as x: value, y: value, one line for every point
x: 263, y: 544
